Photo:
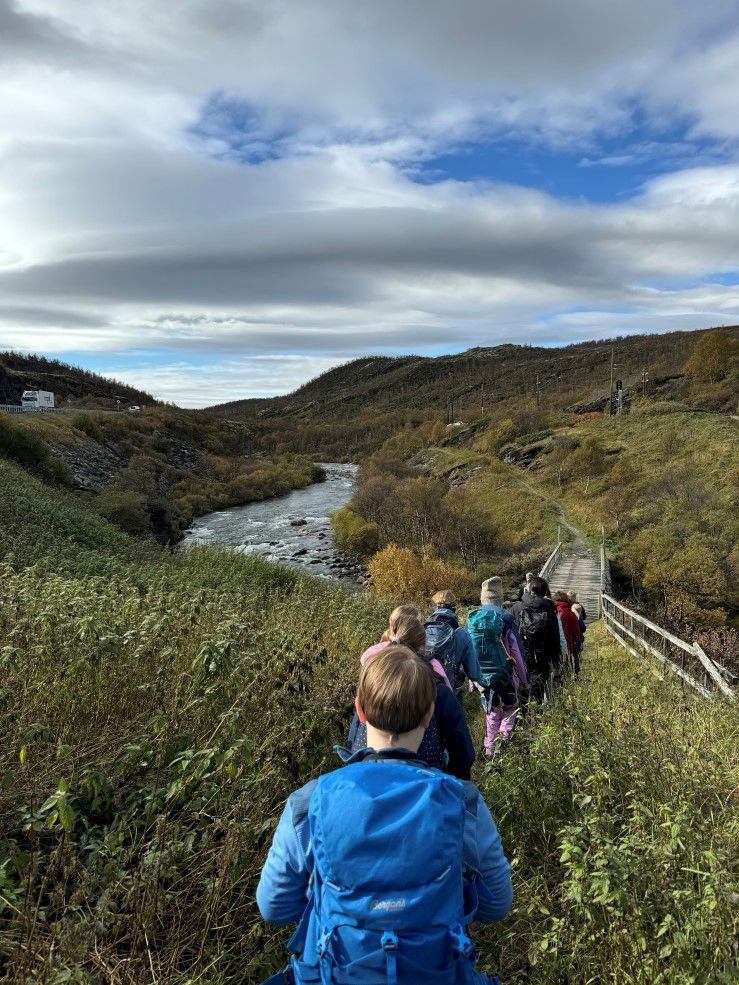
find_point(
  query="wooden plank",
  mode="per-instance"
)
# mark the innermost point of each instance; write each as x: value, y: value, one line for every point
x: 713, y: 671
x: 663, y: 660
x: 688, y: 647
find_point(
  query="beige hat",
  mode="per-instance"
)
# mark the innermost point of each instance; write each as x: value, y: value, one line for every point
x: 492, y: 591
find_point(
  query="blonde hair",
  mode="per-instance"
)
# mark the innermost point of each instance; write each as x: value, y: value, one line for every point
x: 445, y: 599
x: 405, y: 626
x: 396, y: 689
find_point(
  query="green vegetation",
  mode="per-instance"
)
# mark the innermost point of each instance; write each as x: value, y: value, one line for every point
x: 150, y: 473
x: 662, y: 483
x: 156, y: 708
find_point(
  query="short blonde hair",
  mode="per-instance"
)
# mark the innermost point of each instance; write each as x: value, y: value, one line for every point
x: 445, y: 599
x: 396, y: 689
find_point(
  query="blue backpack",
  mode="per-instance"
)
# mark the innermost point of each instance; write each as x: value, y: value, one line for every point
x: 485, y: 626
x: 390, y: 899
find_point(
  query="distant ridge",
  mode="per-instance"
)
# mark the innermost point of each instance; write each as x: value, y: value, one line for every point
x: 478, y: 377
x: 70, y: 384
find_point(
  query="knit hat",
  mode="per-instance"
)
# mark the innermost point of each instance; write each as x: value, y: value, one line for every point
x: 492, y: 591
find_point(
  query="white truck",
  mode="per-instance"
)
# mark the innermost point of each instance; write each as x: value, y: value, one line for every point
x: 37, y: 400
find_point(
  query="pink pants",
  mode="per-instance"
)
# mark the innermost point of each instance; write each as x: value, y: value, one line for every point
x: 499, y: 724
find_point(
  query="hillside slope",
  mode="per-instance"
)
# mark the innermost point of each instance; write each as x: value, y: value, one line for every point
x: 482, y: 377
x: 72, y: 386
x: 157, y: 708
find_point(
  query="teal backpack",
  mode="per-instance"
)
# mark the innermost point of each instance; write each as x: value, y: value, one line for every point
x: 485, y: 626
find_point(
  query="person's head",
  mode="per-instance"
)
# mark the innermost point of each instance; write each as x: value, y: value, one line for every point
x: 395, y: 698
x: 578, y: 610
x: 538, y: 586
x: 445, y: 600
x: 405, y: 627
x: 529, y: 576
x: 562, y: 597
x: 491, y: 592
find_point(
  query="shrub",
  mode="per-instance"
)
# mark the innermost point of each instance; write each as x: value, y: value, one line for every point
x: 354, y: 534
x: 127, y: 510
x: 401, y: 575
x: 88, y: 424
x: 19, y: 442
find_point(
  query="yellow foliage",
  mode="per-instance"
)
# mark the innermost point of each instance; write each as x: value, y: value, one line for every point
x: 401, y: 575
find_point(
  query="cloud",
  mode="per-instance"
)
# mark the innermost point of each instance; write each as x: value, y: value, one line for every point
x: 236, y: 180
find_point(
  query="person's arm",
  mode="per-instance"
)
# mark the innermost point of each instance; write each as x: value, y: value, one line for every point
x: 511, y: 642
x: 283, y: 884
x: 454, y: 734
x: 469, y: 660
x: 483, y: 850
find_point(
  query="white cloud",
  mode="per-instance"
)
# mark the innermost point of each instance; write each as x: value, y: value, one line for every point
x: 122, y: 231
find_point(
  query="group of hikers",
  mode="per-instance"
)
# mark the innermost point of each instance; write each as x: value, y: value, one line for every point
x: 384, y: 862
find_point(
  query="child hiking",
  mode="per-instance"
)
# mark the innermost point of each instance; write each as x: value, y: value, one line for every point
x: 540, y: 631
x: 451, y: 645
x: 405, y: 626
x: 503, y: 670
x: 384, y: 863
x: 447, y: 743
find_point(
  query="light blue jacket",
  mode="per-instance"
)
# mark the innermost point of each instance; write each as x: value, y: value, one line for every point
x: 283, y: 886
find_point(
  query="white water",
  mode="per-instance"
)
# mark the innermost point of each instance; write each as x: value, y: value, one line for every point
x: 265, y: 528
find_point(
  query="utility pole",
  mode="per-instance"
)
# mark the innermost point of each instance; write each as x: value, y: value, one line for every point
x: 482, y: 398
x: 611, y: 401
x: 538, y: 391
x: 644, y: 381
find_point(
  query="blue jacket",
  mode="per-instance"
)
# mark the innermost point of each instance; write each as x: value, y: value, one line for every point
x: 283, y: 885
x: 446, y: 744
x: 464, y: 652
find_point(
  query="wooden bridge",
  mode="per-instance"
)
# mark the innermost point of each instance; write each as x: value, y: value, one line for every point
x: 578, y: 570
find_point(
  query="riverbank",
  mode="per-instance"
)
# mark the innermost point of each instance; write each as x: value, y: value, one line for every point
x: 294, y: 529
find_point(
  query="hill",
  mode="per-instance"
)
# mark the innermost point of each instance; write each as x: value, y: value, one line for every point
x: 157, y: 707
x: 351, y: 410
x: 72, y: 386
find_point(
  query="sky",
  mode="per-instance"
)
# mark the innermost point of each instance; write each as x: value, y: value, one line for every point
x: 219, y: 199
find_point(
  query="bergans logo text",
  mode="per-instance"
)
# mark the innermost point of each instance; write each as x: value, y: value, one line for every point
x: 387, y: 904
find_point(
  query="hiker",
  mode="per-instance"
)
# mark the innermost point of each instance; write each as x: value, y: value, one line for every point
x: 503, y: 669
x: 384, y: 862
x: 570, y: 624
x: 513, y: 605
x: 540, y: 629
x: 527, y: 585
x: 450, y: 644
x: 447, y: 743
x: 581, y: 614
x: 403, y: 627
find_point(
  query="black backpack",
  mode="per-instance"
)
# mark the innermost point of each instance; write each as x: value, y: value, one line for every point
x: 534, y: 628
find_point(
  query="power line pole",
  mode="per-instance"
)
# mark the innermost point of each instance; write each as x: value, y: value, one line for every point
x: 644, y: 381
x: 538, y: 391
x: 482, y: 398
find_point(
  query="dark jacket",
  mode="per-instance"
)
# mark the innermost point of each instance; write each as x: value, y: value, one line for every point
x: 446, y: 744
x: 548, y: 654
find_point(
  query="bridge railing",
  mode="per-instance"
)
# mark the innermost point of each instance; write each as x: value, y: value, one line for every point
x: 551, y: 562
x: 646, y: 640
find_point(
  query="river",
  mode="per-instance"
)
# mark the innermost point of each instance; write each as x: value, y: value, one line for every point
x: 294, y: 530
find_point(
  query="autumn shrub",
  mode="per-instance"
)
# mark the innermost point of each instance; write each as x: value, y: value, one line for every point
x: 354, y: 534
x: 401, y: 575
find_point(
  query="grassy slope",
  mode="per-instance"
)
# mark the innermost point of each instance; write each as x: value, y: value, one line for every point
x: 181, y: 697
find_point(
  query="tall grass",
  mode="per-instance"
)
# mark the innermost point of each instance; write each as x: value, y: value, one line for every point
x: 156, y: 708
